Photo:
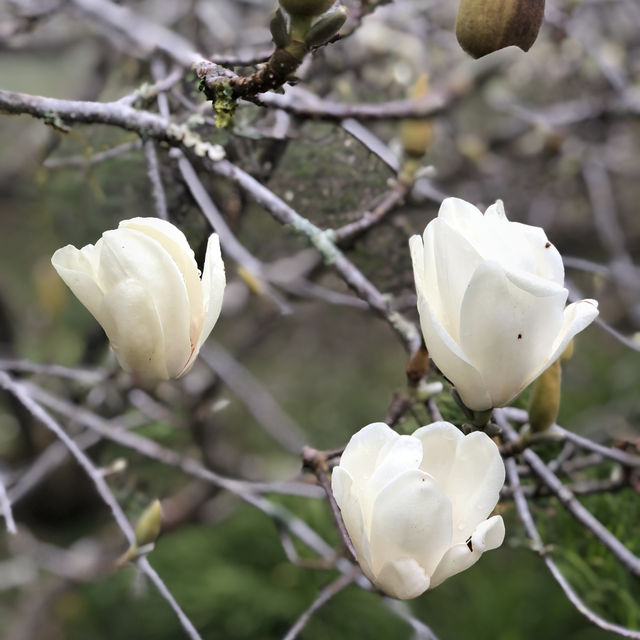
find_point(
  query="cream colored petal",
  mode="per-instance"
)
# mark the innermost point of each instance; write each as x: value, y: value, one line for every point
x: 451, y: 360
x: 351, y: 512
x: 507, y: 324
x: 576, y: 317
x: 439, y: 445
x: 129, y: 254
x: 212, y: 286
x: 456, y: 260
x: 174, y: 242
x: 360, y: 454
x: 133, y: 327
x: 547, y: 258
x: 403, y: 579
x: 477, y: 475
x: 488, y: 535
x: 76, y: 268
x: 411, y: 518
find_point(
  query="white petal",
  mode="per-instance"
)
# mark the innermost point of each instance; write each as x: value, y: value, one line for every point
x: 507, y: 323
x: 547, y: 258
x: 76, y: 268
x: 451, y: 360
x: 411, y: 518
x: 129, y: 254
x: 488, y: 535
x: 402, y: 579
x: 577, y: 316
x: 360, y: 454
x: 477, y: 475
x: 131, y: 322
x: 176, y: 245
x: 460, y: 214
x: 416, y: 249
x: 351, y: 511
x: 439, y: 445
x: 212, y: 288
x: 456, y: 260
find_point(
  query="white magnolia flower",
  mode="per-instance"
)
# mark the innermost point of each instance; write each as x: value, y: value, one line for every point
x: 142, y: 284
x: 415, y: 507
x: 492, y: 301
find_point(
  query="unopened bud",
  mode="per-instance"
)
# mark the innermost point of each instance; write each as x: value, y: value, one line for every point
x: 306, y: 7
x: 278, y: 28
x: 545, y: 398
x: 149, y: 525
x: 325, y: 28
x: 484, y: 26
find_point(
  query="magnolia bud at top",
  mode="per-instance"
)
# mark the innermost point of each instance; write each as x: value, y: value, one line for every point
x: 306, y: 7
x: 416, y: 507
x: 492, y: 302
x: 484, y: 26
x: 142, y: 284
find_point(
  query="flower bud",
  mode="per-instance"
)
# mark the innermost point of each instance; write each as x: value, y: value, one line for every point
x: 325, y: 28
x: 545, y: 398
x: 142, y: 284
x: 306, y: 7
x: 484, y: 26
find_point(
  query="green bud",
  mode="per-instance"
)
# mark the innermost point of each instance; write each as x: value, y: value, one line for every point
x: 306, y: 7
x: 545, y: 398
x: 325, y: 28
x: 416, y: 134
x: 149, y: 525
x: 278, y: 27
x: 484, y: 26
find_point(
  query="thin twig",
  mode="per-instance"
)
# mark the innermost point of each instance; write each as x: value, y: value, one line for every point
x: 5, y: 510
x: 153, y: 171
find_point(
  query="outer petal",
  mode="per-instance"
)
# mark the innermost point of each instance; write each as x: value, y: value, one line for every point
x: 351, y: 511
x: 176, y: 245
x: 488, y: 535
x: 548, y: 261
x: 403, y: 579
x: 411, y: 518
x: 212, y: 288
x: 576, y: 317
x: 360, y: 454
x: 129, y: 254
x: 451, y: 360
x: 132, y: 324
x: 468, y: 469
x: 477, y: 475
x: 440, y: 441
x: 507, y: 323
x: 77, y: 268
x: 456, y: 260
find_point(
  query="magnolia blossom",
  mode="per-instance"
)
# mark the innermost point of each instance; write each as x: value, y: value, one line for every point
x: 415, y: 507
x: 491, y: 301
x: 142, y: 284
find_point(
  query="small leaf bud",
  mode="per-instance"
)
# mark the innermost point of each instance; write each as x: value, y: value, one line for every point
x: 325, y: 28
x: 484, y: 26
x: 416, y: 134
x: 149, y: 525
